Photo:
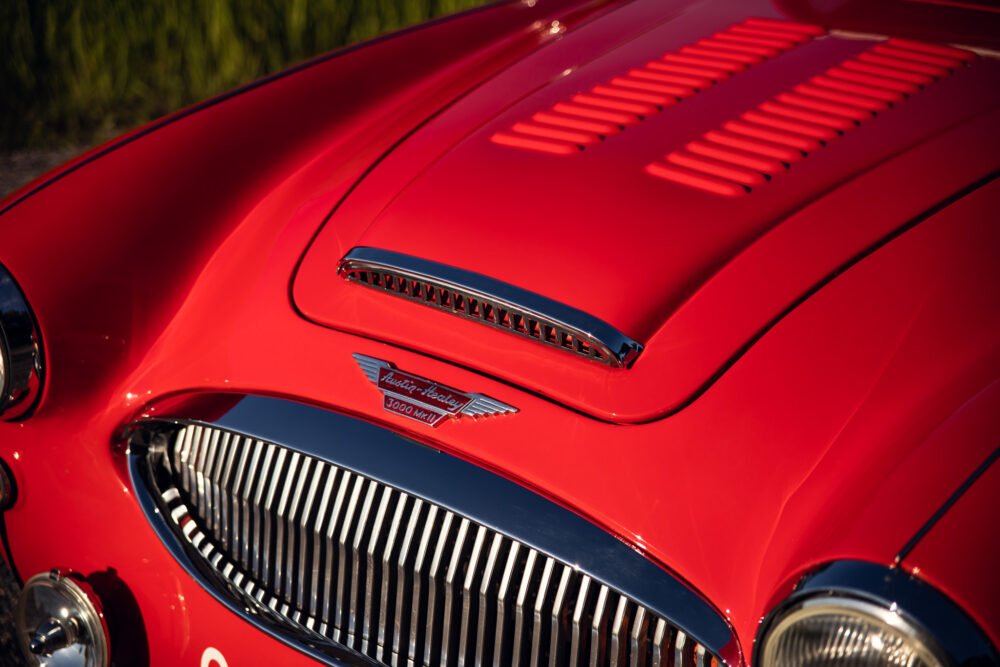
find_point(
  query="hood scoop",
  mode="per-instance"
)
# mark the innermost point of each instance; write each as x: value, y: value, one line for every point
x: 491, y: 302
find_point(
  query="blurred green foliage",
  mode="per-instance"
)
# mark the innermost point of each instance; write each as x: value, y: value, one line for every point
x: 74, y: 71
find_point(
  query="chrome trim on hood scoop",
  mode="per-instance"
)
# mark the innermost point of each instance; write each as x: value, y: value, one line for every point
x: 491, y: 302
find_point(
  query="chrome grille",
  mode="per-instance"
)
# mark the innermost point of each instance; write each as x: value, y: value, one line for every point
x: 348, y: 559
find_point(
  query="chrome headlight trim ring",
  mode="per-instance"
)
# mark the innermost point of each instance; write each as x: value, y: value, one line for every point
x: 20, y: 352
x: 893, y: 597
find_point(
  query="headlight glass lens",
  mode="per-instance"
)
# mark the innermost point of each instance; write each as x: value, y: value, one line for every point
x: 3, y: 370
x: 842, y: 632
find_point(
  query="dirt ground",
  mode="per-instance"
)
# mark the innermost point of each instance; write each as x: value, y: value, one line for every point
x: 19, y: 167
x: 10, y: 654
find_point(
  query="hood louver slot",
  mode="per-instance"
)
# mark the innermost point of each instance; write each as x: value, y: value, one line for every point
x: 745, y: 153
x: 590, y: 117
x: 491, y: 302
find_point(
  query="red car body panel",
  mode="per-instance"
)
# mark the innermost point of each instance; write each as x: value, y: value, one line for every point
x: 658, y: 262
x: 822, y: 355
x: 934, y: 557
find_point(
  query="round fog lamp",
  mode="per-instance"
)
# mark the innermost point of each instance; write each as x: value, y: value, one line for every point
x: 833, y: 631
x: 59, y: 623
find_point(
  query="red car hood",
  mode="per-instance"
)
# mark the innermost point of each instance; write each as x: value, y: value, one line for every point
x: 692, y: 270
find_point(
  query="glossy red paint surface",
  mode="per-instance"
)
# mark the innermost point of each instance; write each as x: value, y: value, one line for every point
x: 974, y: 585
x: 832, y: 370
x: 642, y: 254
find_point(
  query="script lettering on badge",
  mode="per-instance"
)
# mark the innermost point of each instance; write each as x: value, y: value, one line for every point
x: 424, y: 400
x: 423, y: 391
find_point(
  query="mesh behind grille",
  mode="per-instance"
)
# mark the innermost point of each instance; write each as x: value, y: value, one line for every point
x: 402, y: 580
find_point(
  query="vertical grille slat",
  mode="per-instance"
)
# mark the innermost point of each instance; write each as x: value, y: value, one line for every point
x: 538, y: 627
x: 394, y: 576
x: 556, y: 617
x: 271, y: 519
x: 507, y: 587
x: 659, y: 635
x: 450, y: 629
x: 638, y: 641
x: 211, y: 488
x: 370, y: 591
x: 432, y: 648
x: 259, y: 511
x: 400, y: 626
x: 469, y: 590
x: 484, y: 640
x: 330, y: 555
x: 618, y: 632
x: 358, y: 561
x: 340, y: 611
x: 229, y: 445
x: 385, y: 598
x: 598, y: 627
x: 284, y: 539
x: 305, y: 490
x: 520, y: 613
x: 319, y: 532
x: 576, y: 648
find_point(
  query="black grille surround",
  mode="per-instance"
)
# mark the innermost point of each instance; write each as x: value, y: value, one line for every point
x: 356, y: 569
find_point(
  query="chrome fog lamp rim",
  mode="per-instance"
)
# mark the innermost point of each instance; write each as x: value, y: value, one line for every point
x: 59, y: 620
x: 919, y: 641
x: 20, y: 351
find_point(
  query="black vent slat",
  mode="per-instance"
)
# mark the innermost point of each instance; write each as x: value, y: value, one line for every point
x: 397, y: 578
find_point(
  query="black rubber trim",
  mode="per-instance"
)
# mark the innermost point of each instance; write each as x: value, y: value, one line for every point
x: 959, y: 492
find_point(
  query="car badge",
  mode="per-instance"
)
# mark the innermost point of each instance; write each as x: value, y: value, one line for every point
x: 423, y: 400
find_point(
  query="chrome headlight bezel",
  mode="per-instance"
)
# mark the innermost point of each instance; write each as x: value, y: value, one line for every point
x: 942, y: 631
x: 20, y: 352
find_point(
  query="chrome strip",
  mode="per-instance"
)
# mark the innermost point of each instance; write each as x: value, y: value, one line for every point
x: 472, y: 514
x: 617, y: 349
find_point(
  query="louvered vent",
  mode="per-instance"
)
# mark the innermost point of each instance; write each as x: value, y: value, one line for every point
x: 345, y: 559
x: 747, y: 152
x: 490, y: 302
x: 591, y: 116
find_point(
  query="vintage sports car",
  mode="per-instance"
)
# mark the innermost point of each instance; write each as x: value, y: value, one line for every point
x: 560, y: 332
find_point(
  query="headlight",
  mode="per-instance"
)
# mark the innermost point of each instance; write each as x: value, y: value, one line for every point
x: 828, y: 631
x: 20, y: 352
x: 856, y: 614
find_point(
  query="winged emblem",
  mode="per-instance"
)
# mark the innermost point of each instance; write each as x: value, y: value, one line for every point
x: 425, y: 400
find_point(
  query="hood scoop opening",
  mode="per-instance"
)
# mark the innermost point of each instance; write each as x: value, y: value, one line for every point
x: 491, y: 302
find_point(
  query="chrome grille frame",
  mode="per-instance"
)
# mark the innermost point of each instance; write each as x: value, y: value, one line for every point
x: 504, y: 548
x: 492, y: 302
